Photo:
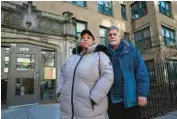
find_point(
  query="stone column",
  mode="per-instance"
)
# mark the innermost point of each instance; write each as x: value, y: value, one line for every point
x: 69, y: 24
x: 69, y: 33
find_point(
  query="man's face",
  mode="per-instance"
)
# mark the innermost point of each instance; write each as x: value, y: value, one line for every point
x: 114, y: 37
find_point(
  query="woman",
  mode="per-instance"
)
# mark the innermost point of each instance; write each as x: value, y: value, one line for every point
x: 85, y: 80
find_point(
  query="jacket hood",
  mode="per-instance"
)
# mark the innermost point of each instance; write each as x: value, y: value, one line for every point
x: 94, y: 48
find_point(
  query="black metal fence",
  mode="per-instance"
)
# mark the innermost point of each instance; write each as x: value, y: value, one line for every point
x: 163, y: 88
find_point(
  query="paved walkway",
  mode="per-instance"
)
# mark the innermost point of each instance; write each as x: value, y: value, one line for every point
x: 170, y: 115
x: 49, y: 111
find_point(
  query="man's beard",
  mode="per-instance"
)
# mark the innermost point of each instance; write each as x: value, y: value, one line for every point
x: 113, y: 42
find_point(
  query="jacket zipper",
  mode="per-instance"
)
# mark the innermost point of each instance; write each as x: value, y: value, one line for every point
x: 72, y: 89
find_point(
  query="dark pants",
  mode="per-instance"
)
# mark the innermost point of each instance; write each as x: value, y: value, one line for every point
x: 117, y: 111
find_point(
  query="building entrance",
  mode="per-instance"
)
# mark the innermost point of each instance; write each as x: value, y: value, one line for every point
x: 25, y: 75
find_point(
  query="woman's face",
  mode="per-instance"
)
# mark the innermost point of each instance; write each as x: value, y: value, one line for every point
x: 87, y: 40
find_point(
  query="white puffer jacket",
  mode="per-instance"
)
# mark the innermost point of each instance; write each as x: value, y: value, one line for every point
x: 83, y: 89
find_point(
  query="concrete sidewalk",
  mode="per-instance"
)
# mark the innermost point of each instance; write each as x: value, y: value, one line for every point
x: 170, y: 115
x: 49, y: 111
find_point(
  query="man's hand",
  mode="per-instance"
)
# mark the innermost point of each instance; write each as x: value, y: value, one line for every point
x: 142, y: 101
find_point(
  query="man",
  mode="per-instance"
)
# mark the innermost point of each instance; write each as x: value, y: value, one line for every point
x: 131, y: 81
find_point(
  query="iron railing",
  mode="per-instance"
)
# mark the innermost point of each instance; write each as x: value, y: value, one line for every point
x: 163, y: 88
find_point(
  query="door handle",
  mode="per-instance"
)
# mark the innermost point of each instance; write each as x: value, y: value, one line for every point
x: 36, y: 75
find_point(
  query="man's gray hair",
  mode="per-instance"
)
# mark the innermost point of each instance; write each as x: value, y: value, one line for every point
x: 112, y: 28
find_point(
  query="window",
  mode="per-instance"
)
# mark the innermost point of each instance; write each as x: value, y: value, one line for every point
x: 47, y: 86
x: 6, y: 60
x: 169, y: 36
x: 25, y: 61
x: 80, y: 26
x: 48, y: 58
x: 151, y: 69
x: 24, y: 86
x: 79, y: 3
x: 105, y: 7
x: 143, y: 39
x: 126, y: 36
x: 103, y: 36
x: 123, y: 12
x: 165, y: 8
x: 138, y: 9
x: 142, y: 34
x: 172, y: 66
